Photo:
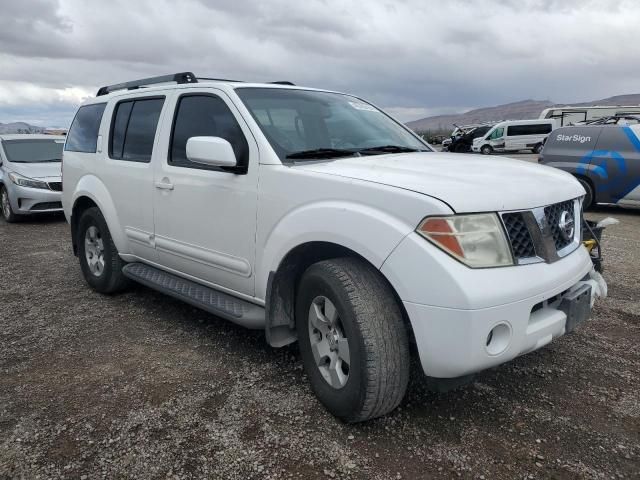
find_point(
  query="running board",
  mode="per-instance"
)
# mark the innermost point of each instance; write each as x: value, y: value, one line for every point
x: 213, y: 301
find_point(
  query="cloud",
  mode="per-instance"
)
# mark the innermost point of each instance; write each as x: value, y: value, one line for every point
x: 409, y: 57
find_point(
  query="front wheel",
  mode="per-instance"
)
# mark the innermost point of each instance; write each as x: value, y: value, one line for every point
x: 99, y: 260
x: 538, y: 148
x: 5, y: 206
x: 352, y: 339
x: 589, y: 198
x: 486, y: 150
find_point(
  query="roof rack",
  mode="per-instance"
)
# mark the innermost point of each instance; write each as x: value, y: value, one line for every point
x: 184, y: 77
x: 179, y: 78
x: 220, y: 80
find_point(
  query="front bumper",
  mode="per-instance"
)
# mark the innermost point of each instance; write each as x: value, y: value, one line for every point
x: 28, y: 201
x: 453, y: 309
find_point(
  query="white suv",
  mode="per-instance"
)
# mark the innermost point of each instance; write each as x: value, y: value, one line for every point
x: 315, y: 216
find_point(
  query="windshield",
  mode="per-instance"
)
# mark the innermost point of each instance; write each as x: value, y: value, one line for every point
x: 309, y: 124
x: 33, y: 151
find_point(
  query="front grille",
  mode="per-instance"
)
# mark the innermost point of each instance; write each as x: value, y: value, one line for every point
x: 519, y: 236
x: 553, y: 214
x: 55, y: 186
x: 46, y: 206
x: 536, y: 235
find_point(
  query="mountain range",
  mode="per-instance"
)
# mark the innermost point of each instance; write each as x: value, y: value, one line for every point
x: 19, y: 127
x: 525, y: 109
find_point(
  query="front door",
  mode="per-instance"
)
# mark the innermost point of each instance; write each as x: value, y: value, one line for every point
x: 205, y: 217
x: 496, y: 139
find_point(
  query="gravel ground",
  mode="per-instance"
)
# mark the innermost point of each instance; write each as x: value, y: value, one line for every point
x: 141, y: 386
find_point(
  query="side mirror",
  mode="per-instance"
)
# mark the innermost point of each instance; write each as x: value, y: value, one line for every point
x: 213, y: 151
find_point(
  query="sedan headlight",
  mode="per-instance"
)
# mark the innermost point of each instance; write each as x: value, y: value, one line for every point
x: 477, y: 240
x: 27, y: 182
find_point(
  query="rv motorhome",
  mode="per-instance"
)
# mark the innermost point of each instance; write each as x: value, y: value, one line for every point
x: 570, y: 115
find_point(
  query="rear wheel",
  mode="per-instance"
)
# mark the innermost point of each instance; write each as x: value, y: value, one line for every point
x: 352, y: 339
x: 99, y: 260
x: 589, y: 198
x: 5, y: 206
x: 486, y: 150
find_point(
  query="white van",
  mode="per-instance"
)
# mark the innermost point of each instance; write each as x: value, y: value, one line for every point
x: 514, y: 135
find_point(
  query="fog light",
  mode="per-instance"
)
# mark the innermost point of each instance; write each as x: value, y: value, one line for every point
x: 498, y: 339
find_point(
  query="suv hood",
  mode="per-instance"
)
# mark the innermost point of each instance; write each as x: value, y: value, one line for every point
x: 467, y: 183
x: 37, y: 170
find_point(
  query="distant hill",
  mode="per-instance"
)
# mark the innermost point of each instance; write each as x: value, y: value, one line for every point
x: 525, y: 109
x: 19, y: 127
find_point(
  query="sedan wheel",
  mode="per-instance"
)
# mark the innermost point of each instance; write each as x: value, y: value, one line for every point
x: 5, y: 206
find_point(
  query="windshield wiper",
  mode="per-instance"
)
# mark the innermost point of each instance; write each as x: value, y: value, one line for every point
x: 322, y: 153
x: 388, y: 149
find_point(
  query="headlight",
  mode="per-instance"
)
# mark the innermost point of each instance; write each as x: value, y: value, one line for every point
x: 27, y: 182
x: 476, y: 240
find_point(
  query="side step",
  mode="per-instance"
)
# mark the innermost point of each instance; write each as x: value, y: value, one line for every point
x: 221, y: 304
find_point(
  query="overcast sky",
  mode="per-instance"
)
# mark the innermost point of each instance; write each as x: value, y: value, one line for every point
x: 414, y: 58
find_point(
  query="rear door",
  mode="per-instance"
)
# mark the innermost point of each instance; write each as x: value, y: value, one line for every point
x: 130, y: 145
x: 526, y: 136
x: 615, y: 165
x: 205, y: 217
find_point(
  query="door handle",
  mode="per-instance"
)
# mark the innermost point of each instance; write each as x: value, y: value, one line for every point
x: 164, y: 186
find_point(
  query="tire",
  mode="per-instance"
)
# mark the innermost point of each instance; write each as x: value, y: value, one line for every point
x: 369, y: 320
x: 94, y: 242
x: 5, y: 206
x: 461, y: 148
x: 538, y: 148
x: 486, y: 150
x: 589, y: 198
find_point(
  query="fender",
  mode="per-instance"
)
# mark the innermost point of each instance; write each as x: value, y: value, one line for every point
x: 92, y: 187
x: 367, y: 231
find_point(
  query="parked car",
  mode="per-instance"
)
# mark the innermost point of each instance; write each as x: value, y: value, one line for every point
x: 318, y: 218
x: 30, y: 180
x: 463, y: 137
x: 605, y: 158
x: 514, y: 135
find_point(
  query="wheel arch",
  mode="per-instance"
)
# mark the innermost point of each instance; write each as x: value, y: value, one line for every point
x: 282, y: 290
x: 91, y: 192
x: 590, y: 182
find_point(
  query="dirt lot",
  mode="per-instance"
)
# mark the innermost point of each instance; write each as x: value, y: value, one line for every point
x: 141, y: 386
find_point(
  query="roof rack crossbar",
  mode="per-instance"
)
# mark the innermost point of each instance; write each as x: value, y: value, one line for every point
x: 183, y: 77
x: 220, y: 80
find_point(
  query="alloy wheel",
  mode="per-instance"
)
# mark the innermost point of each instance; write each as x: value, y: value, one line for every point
x: 6, y: 208
x: 329, y: 344
x: 94, y: 250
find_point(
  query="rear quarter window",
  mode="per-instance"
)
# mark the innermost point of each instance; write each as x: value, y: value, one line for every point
x: 83, y: 134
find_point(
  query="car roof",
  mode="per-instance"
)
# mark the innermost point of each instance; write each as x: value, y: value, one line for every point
x: 222, y: 84
x: 524, y: 122
x: 30, y: 136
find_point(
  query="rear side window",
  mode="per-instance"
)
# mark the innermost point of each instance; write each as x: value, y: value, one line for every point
x: 208, y: 116
x: 83, y: 134
x: 539, y: 129
x: 133, y: 129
